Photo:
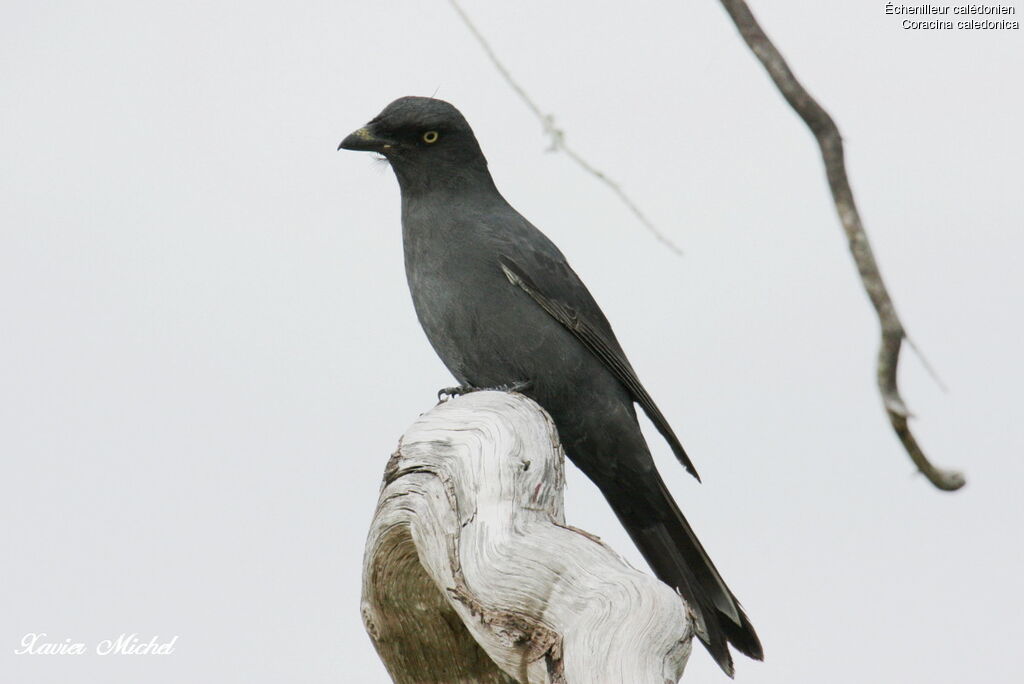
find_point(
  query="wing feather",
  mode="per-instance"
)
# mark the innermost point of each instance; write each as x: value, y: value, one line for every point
x: 607, y: 352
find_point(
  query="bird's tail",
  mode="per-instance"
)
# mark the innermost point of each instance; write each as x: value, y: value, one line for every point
x: 676, y: 556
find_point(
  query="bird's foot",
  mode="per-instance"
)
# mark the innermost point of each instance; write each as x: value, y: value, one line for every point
x: 446, y: 393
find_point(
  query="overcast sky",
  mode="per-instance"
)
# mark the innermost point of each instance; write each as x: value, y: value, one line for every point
x: 208, y: 350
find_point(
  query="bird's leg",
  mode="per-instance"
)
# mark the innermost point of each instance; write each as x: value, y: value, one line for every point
x: 452, y: 392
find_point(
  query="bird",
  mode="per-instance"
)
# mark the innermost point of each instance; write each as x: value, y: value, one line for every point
x: 502, y: 308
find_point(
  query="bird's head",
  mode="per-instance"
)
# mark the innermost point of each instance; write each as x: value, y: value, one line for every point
x: 425, y: 140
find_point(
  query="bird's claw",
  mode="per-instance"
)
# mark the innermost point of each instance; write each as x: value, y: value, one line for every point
x: 446, y: 393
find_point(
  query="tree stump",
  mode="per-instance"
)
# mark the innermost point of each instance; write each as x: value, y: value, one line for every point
x: 471, y: 575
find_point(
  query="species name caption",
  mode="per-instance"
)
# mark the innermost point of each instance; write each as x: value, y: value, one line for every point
x: 955, y: 17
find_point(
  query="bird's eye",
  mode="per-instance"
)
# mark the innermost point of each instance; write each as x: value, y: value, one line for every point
x: 430, y: 137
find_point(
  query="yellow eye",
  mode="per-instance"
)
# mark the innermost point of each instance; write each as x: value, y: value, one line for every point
x: 430, y: 137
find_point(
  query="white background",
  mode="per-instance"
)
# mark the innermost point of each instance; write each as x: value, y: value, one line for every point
x: 208, y: 350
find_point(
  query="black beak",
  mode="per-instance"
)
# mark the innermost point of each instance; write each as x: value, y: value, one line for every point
x: 365, y: 140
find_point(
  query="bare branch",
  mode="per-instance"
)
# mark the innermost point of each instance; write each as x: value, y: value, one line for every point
x: 558, y: 135
x: 831, y: 144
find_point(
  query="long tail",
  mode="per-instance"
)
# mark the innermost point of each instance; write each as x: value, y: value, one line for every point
x: 675, y: 554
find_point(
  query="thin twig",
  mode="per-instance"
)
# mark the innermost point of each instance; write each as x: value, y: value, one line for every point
x: 557, y: 135
x: 831, y: 144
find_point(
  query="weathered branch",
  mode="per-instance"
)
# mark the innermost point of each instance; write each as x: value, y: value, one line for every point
x: 471, y: 574
x: 831, y: 144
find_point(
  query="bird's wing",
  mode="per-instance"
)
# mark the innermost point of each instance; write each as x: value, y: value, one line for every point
x: 594, y: 332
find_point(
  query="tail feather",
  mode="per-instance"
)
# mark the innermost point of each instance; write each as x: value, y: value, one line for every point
x: 677, y: 557
x: 743, y: 638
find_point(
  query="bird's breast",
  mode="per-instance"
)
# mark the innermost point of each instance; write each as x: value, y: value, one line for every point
x: 484, y: 329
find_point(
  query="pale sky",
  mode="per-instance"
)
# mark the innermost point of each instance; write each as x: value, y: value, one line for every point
x: 209, y: 350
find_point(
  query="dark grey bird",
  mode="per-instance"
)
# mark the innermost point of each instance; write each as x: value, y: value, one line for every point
x: 502, y: 308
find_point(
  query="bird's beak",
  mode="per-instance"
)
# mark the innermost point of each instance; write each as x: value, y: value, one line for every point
x: 366, y: 140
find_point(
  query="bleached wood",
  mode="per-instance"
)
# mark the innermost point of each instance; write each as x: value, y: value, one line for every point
x: 471, y: 574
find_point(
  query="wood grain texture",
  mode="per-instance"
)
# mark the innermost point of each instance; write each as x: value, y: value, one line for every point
x: 471, y: 574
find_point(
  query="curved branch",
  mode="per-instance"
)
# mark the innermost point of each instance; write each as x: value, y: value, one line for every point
x: 831, y: 143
